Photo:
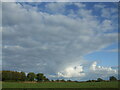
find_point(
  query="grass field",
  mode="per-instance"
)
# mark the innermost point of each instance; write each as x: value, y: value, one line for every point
x: 60, y: 85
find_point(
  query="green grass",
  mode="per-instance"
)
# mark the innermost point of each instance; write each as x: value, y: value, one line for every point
x: 60, y: 85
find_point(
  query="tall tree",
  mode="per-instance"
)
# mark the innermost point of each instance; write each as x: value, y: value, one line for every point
x: 31, y: 76
x: 40, y: 77
x: 23, y: 76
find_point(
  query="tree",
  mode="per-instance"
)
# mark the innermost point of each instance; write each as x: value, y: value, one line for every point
x: 112, y: 78
x: 57, y: 80
x: 23, y: 76
x: 0, y: 75
x: 31, y: 76
x: 5, y: 75
x: 99, y: 79
x: 88, y: 81
x: 46, y: 79
x: 69, y: 81
x: 11, y: 76
x: 40, y: 77
x: 52, y: 80
x: 62, y: 80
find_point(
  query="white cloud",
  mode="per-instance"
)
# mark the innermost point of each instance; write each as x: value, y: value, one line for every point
x: 50, y: 43
x: 80, y: 5
x: 71, y: 72
x: 99, y: 6
x: 60, y: 7
x: 93, y: 71
x: 107, y: 25
x: 105, y: 13
x: 95, y: 68
x: 100, y: 71
x: 56, y: 7
x: 109, y: 13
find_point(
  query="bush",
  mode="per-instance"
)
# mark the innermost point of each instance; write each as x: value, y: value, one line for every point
x: 112, y: 78
x: 99, y: 80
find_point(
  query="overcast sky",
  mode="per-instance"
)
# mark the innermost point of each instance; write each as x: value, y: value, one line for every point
x: 76, y: 41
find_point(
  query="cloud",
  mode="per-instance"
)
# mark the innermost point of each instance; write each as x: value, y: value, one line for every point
x: 56, y: 7
x: 112, y: 50
x: 61, y: 7
x: 76, y: 71
x: 99, y: 6
x: 50, y: 43
x: 80, y: 5
x: 59, y: 1
x: 106, y: 12
x: 96, y: 71
x: 93, y: 72
x: 0, y: 37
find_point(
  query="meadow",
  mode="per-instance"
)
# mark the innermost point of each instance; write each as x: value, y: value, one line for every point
x: 60, y: 85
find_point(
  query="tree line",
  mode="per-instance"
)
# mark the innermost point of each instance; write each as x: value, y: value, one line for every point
x: 21, y: 76
x: 111, y: 78
x: 40, y: 77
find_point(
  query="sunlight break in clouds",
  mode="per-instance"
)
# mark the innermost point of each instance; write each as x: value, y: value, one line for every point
x: 94, y: 71
x: 76, y: 71
x: 55, y: 42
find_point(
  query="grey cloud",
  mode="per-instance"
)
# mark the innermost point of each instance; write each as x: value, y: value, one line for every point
x: 41, y: 42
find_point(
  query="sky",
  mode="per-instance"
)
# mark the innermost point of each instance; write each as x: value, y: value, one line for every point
x: 63, y: 40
